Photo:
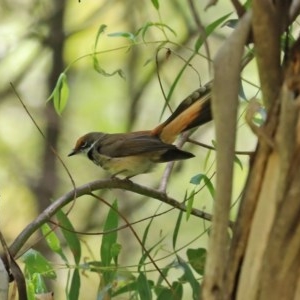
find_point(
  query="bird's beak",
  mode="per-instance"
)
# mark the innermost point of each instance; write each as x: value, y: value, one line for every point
x: 73, y: 152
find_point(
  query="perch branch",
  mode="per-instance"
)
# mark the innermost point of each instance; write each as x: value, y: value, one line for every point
x: 86, y: 189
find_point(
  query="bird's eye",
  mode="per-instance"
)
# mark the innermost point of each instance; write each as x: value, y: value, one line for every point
x: 83, y: 145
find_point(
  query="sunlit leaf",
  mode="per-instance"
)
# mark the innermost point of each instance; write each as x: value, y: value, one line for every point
x: 35, y: 262
x: 39, y: 284
x: 60, y: 93
x: 30, y: 289
x: 51, y: 238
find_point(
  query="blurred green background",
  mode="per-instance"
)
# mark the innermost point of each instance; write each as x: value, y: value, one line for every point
x: 39, y: 40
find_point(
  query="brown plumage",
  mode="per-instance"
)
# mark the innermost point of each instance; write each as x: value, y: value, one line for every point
x: 137, y: 152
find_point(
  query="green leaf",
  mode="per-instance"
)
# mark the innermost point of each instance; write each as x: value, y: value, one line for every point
x: 53, y: 241
x: 209, y: 186
x: 109, y: 239
x: 238, y: 162
x: 127, y: 35
x: 145, y: 235
x: 30, y: 290
x: 189, y: 206
x: 206, y: 160
x: 190, y: 278
x: 75, y: 285
x: 178, y: 290
x: 144, y: 287
x: 100, y: 31
x: 115, y: 251
x: 102, y: 72
x: 177, y: 226
x: 175, y: 82
x: 96, y: 63
x: 155, y: 4
x: 35, y: 262
x: 39, y: 284
x: 214, y: 143
x: 197, y: 259
x: 69, y: 235
x: 60, y: 94
x: 196, y: 180
x: 158, y: 25
x: 170, y: 294
x: 208, y: 30
x: 51, y: 238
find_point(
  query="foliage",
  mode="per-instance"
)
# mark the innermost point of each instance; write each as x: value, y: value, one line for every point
x: 171, y: 259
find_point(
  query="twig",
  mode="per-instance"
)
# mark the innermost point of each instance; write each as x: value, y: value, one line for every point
x: 213, y: 148
x: 170, y: 165
x: 44, y: 137
x: 201, y: 29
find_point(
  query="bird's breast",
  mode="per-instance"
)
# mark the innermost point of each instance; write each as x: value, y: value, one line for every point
x: 127, y: 166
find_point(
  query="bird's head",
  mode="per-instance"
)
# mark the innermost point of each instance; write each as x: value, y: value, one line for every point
x: 85, y: 143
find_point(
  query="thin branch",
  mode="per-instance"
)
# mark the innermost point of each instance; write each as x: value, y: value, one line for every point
x: 201, y: 29
x: 239, y: 8
x: 53, y: 150
x: 237, y: 152
x: 170, y: 165
x: 294, y: 10
x: 86, y: 189
x: 268, y: 22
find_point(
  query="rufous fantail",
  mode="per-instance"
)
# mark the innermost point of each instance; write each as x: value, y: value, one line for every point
x: 134, y: 153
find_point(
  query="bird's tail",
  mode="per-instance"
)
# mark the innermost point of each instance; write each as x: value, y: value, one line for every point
x: 193, y: 111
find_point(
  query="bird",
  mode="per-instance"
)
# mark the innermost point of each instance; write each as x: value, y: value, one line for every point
x: 134, y: 153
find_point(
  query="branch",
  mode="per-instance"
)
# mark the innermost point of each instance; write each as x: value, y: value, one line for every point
x: 86, y: 189
x: 227, y: 67
x: 267, y: 24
